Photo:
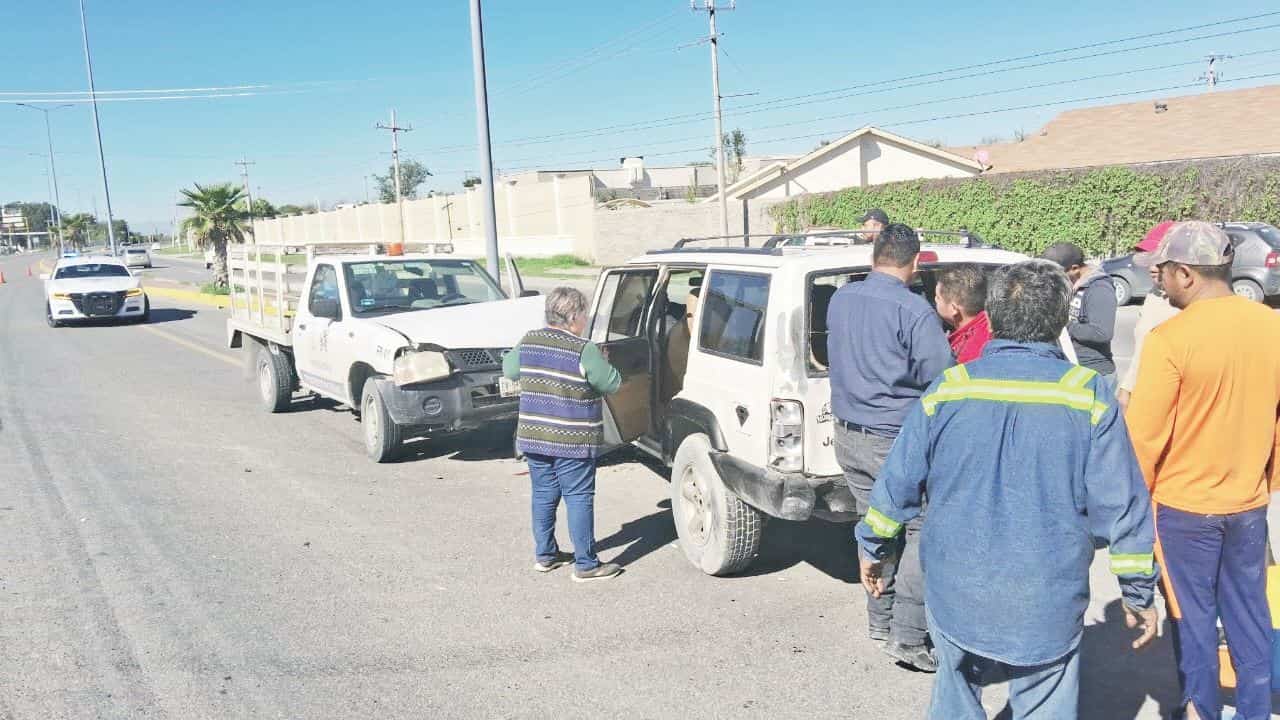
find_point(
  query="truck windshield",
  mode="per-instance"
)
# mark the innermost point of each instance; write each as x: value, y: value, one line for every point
x: 387, y: 286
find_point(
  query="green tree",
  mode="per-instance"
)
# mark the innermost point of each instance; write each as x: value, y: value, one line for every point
x: 77, y: 229
x: 735, y: 149
x: 263, y: 209
x: 218, y: 217
x: 470, y: 182
x: 290, y: 209
x: 412, y: 175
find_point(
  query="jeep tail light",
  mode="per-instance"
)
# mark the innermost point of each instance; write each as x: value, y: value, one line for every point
x: 1273, y: 260
x: 786, y: 435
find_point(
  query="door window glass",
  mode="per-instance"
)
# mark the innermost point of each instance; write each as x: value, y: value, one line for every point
x: 620, y: 314
x: 323, y: 287
x: 733, y: 315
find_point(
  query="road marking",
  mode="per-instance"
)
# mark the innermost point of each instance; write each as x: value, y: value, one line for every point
x: 229, y: 359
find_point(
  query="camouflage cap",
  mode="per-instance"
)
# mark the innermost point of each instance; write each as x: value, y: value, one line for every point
x: 1190, y: 243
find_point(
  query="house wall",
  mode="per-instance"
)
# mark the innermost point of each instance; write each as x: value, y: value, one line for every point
x: 627, y: 232
x: 870, y: 161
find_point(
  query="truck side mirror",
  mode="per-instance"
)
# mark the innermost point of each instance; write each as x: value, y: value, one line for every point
x: 329, y: 309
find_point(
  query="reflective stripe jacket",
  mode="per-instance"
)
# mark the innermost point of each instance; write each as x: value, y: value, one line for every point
x: 1024, y: 460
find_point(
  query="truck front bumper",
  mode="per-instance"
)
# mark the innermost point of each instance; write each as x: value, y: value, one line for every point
x: 462, y: 401
x: 790, y: 496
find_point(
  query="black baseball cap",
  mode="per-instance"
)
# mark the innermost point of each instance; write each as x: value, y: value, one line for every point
x: 876, y: 214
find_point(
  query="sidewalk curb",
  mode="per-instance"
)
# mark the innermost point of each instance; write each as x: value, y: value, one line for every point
x: 218, y: 301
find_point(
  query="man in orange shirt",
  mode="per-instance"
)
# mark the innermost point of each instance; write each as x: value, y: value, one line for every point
x: 1203, y: 420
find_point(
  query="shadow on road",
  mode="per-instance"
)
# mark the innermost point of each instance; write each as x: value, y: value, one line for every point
x: 164, y: 315
x: 826, y: 546
x: 641, y: 536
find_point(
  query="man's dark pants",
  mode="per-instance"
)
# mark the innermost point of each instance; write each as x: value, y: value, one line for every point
x: 1216, y: 566
x: 900, y: 608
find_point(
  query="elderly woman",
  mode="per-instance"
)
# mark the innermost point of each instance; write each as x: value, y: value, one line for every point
x: 563, y: 378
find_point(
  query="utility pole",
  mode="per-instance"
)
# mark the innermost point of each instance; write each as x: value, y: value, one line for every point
x: 489, y: 212
x: 244, y: 177
x: 53, y: 170
x: 395, y: 161
x: 97, y: 128
x: 448, y: 217
x: 1211, y: 76
x: 710, y: 8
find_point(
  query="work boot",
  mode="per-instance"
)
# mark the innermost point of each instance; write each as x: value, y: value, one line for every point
x: 546, y: 565
x: 603, y: 571
x: 918, y: 657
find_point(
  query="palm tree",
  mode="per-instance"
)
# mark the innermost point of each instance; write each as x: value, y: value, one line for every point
x: 76, y: 228
x: 218, y: 218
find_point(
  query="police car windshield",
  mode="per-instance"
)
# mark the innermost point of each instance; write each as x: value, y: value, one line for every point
x: 389, y: 286
x: 88, y: 270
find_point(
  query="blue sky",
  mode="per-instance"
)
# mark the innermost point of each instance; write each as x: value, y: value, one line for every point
x: 332, y: 69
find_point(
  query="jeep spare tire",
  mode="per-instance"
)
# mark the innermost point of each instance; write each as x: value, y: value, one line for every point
x: 719, y: 533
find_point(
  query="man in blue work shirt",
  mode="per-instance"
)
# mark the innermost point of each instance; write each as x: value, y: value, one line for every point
x: 1024, y: 458
x: 886, y: 345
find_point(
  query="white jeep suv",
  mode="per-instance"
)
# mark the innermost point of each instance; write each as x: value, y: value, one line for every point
x: 723, y: 353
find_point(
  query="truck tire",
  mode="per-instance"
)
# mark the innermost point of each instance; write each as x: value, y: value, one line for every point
x: 48, y: 317
x: 382, y: 437
x: 719, y: 533
x: 275, y: 379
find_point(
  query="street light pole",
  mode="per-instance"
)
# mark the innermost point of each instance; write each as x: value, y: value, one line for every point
x: 97, y: 128
x: 53, y: 170
x: 489, y: 212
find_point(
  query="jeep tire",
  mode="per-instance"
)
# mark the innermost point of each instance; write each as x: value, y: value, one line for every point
x: 719, y: 533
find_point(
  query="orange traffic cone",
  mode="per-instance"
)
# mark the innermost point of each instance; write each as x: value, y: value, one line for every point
x: 28, y: 271
x: 1, y: 278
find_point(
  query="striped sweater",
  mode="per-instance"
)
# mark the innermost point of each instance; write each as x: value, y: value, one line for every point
x: 562, y: 379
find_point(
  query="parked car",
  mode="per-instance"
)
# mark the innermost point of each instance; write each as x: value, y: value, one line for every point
x: 93, y: 287
x: 743, y: 416
x: 136, y: 256
x: 1255, y: 272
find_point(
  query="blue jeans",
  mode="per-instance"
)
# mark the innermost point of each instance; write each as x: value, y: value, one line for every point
x: 575, y: 481
x: 1043, y: 692
x: 1215, y: 566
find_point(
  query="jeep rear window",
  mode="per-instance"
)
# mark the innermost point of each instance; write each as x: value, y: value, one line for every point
x: 823, y: 287
x: 733, y: 315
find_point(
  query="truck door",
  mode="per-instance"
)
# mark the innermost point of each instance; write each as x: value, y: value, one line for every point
x: 515, y: 283
x: 618, y: 326
x: 311, y: 333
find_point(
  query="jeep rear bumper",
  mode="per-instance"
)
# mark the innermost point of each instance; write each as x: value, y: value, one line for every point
x: 460, y: 402
x: 790, y: 496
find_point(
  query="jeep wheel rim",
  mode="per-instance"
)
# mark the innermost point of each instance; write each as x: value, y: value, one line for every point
x: 370, y: 419
x: 266, y: 384
x: 697, y: 508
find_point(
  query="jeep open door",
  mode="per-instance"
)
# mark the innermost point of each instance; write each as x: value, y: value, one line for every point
x: 618, y: 327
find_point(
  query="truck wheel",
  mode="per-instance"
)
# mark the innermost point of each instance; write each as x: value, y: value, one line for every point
x: 275, y: 379
x: 381, y: 434
x: 48, y: 317
x: 719, y: 533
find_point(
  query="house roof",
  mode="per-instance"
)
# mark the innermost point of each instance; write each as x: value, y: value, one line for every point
x: 1220, y: 123
x: 771, y: 172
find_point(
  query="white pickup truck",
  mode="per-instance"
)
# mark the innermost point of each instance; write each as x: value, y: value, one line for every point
x: 412, y: 343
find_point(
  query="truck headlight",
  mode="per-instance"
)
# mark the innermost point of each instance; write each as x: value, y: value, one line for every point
x: 419, y: 366
x: 61, y: 296
x: 786, y: 435
x: 133, y: 292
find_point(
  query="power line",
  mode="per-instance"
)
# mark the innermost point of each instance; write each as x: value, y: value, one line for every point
x: 934, y: 101
x: 787, y: 102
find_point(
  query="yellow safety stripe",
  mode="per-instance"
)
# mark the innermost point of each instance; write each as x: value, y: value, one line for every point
x: 881, y: 524
x: 1137, y: 564
x: 1077, y: 377
x: 956, y: 373
x: 1016, y: 391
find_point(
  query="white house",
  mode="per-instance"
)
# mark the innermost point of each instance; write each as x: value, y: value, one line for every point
x: 868, y: 156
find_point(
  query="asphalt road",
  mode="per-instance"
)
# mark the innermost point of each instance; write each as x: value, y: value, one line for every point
x: 172, y: 551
